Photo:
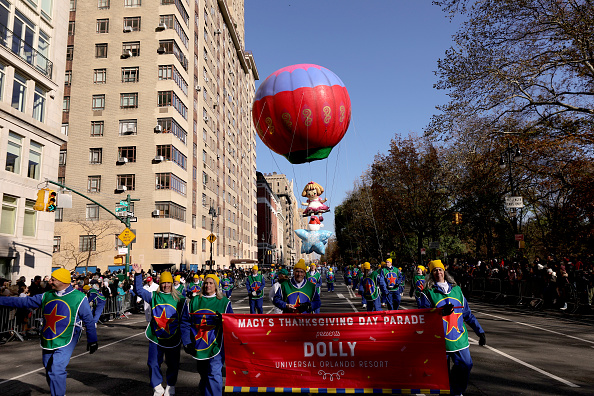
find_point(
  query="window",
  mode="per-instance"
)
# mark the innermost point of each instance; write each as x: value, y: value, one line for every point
x: 62, y: 158
x: 64, y: 129
x: 169, y: 98
x: 193, y: 221
x: 87, y: 243
x: 101, y: 50
x: 39, y: 104
x: 67, y: 77
x: 103, y: 4
x: 99, y: 102
x: 2, y: 77
x: 19, y: 92
x: 102, y: 25
x: 71, y: 28
x: 72, y: 5
x: 43, y: 49
x: 95, y: 155
x: 94, y: 184
x: 165, y: 72
x: 169, y: 241
x: 128, y: 100
x: 132, y: 3
x: 70, y: 52
x: 170, y: 210
x: 128, y: 127
x: 127, y: 180
x: 169, y: 72
x: 171, y: 47
x: 128, y: 152
x: 92, y: 212
x: 34, y: 160
x: 130, y: 74
x: 195, y: 247
x: 99, y: 76
x: 97, y: 128
x: 57, y: 243
x: 168, y: 181
x: 13, y: 153
x: 171, y: 153
x: 59, y: 213
x: 169, y: 125
x: 66, y: 104
x: 133, y: 23
x: 8, y: 217
x: 133, y: 47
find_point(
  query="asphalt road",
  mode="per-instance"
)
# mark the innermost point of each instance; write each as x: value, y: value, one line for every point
x: 526, y: 354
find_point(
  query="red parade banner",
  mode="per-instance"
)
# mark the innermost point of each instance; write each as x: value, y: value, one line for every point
x: 379, y: 352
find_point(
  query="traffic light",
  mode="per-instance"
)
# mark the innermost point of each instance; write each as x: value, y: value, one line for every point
x: 40, y: 203
x: 457, y: 218
x: 51, y: 201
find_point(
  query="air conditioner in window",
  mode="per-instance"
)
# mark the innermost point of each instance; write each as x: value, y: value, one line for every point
x: 161, y: 50
x: 122, y: 160
x: 218, y: 156
x: 159, y: 158
x: 126, y: 54
x: 127, y: 29
x: 159, y: 187
x: 206, y: 79
x: 205, y: 57
x: 198, y: 88
x: 121, y: 188
x: 158, y: 129
x: 156, y: 213
x: 205, y: 118
x: 128, y: 131
x: 161, y: 27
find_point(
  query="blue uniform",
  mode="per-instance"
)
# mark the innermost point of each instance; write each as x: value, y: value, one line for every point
x: 97, y: 301
x: 256, y: 284
x: 281, y: 301
x: 392, y: 283
x: 56, y: 360
x: 330, y: 278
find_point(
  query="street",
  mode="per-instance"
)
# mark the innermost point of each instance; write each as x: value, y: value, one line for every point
x: 527, y: 353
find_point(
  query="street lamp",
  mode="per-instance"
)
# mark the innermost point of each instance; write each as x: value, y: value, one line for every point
x: 213, y: 213
x: 511, y: 154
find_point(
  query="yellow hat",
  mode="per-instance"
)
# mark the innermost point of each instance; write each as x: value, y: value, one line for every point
x: 201, y: 277
x: 422, y: 268
x: 62, y: 274
x: 86, y: 287
x: 196, y: 276
x: 366, y: 266
x: 389, y: 260
x: 313, y: 265
x: 213, y: 276
x: 177, y: 278
x: 300, y: 265
x: 435, y: 264
x: 166, y: 277
x: 255, y: 267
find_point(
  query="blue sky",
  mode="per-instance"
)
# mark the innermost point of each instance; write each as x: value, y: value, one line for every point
x: 384, y: 51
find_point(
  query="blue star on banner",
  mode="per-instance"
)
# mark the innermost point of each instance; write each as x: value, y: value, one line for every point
x: 313, y: 241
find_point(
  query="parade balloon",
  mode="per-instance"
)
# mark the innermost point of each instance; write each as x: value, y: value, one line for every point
x: 302, y: 112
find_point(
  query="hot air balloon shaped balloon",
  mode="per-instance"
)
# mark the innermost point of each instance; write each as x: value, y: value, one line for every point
x: 302, y: 112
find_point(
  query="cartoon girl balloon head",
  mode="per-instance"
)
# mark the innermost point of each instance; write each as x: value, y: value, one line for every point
x: 315, y: 204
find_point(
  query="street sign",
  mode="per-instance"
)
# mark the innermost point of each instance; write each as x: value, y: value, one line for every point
x: 126, y: 236
x: 122, y: 251
x: 130, y: 214
x: 519, y: 237
x: 133, y: 219
x: 434, y: 245
x: 121, y: 208
x: 514, y: 202
x: 211, y: 238
x: 123, y: 203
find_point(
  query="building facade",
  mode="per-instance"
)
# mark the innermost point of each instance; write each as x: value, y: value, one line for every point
x: 33, y: 38
x: 270, y: 225
x: 157, y: 105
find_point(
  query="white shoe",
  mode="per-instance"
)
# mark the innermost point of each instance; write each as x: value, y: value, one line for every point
x: 364, y: 305
x: 159, y: 391
x: 564, y: 307
x: 384, y: 304
x: 169, y: 391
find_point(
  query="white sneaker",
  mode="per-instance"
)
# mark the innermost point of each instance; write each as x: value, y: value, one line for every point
x: 169, y: 391
x: 364, y: 305
x: 384, y: 304
x: 159, y: 391
x: 564, y: 307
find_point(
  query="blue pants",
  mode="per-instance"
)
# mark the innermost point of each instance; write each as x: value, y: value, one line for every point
x: 228, y: 293
x: 347, y: 281
x: 98, y: 310
x: 393, y: 299
x: 256, y: 305
x: 211, y: 375
x: 460, y: 371
x: 374, y: 305
x: 331, y: 287
x: 155, y: 359
x: 55, y: 363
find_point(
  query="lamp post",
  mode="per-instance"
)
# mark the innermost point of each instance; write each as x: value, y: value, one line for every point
x: 213, y: 213
x: 511, y: 154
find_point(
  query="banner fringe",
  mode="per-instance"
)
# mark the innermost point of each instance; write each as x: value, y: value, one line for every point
x: 246, y: 389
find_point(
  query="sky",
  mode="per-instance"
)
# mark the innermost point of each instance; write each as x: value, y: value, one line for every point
x: 385, y: 52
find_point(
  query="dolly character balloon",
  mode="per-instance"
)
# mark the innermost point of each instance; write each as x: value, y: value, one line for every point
x: 315, y: 205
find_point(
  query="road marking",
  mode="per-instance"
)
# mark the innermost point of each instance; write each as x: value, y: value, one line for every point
x: 348, y: 300
x: 73, y: 357
x: 536, y: 327
x: 523, y: 363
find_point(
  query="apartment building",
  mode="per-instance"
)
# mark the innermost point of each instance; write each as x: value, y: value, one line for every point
x: 270, y: 224
x: 32, y: 61
x: 157, y: 106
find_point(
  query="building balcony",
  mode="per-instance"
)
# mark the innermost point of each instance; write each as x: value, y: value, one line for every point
x: 25, y: 51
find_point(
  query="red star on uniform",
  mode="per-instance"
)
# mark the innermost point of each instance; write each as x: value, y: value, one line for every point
x: 163, y: 321
x: 51, y: 319
x: 202, y: 330
x: 452, y: 321
x: 256, y: 286
x: 368, y: 287
x: 392, y: 278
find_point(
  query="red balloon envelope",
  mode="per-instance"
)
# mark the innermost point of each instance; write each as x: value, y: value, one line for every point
x: 302, y: 112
